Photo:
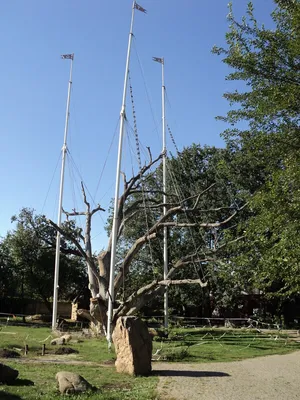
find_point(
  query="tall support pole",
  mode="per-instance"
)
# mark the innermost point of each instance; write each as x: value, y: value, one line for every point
x: 115, y: 224
x: 165, y: 246
x: 164, y: 149
x: 61, y: 192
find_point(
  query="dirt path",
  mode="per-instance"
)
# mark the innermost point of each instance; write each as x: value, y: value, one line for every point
x: 264, y: 378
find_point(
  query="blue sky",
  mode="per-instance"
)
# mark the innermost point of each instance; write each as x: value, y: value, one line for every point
x: 34, y: 82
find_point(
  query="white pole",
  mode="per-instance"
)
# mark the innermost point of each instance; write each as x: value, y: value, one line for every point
x: 164, y: 149
x: 166, y: 312
x: 61, y: 191
x: 116, y: 200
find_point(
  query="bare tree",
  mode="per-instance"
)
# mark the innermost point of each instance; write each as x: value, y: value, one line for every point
x: 99, y: 270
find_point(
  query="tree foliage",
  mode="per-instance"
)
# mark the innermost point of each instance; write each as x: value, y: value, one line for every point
x: 266, y: 63
x: 28, y: 259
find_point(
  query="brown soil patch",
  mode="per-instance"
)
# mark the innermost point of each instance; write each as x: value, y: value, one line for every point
x: 66, y: 350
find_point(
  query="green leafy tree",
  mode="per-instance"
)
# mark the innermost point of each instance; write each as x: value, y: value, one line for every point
x: 29, y: 252
x: 264, y: 137
x: 8, y: 280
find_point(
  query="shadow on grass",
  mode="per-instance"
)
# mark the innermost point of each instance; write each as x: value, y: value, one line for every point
x: 192, y: 374
x: 22, y: 382
x: 9, y: 396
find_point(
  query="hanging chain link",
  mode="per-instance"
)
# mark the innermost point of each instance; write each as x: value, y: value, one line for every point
x: 137, y: 144
x: 180, y: 196
x: 172, y: 138
x: 135, y: 130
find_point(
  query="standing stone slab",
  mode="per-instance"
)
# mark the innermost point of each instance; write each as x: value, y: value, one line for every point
x: 133, y: 346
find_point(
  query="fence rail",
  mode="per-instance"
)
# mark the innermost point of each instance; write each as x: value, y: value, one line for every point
x: 198, y: 322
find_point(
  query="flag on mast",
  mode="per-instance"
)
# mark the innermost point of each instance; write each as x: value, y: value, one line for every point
x: 158, y: 59
x: 140, y: 8
x: 67, y: 56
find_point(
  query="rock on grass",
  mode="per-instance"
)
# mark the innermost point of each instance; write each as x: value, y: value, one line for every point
x: 71, y: 383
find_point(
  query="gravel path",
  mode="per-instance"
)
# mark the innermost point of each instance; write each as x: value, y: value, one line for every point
x: 263, y: 378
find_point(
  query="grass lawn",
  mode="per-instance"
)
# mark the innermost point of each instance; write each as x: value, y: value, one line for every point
x: 96, y: 364
x: 220, y: 345
x: 36, y: 378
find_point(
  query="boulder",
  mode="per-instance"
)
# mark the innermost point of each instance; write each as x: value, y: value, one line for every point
x: 133, y: 346
x: 7, y: 374
x: 71, y: 383
x: 61, y: 340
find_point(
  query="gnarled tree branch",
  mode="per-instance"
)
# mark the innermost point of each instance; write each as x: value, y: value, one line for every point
x: 124, y: 268
x: 167, y: 282
x: 69, y: 237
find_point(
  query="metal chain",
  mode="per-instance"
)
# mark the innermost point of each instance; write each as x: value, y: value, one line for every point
x: 135, y: 130
x: 173, y: 140
x: 181, y: 197
x: 137, y: 143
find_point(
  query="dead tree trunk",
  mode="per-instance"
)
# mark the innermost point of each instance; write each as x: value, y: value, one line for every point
x: 99, y: 269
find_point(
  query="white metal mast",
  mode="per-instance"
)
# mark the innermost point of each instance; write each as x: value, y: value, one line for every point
x: 117, y: 187
x: 61, y: 191
x: 164, y: 149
